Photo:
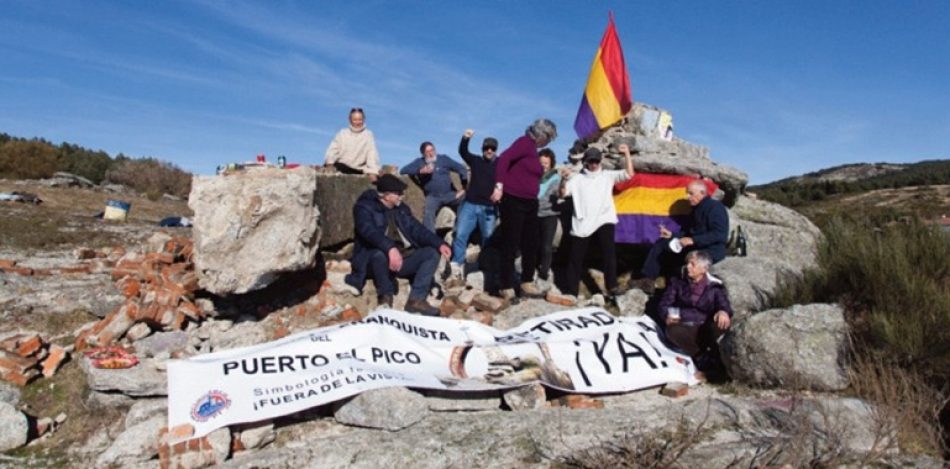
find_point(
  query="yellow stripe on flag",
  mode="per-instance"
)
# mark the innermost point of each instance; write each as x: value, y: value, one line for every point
x: 652, y: 201
x: 600, y: 95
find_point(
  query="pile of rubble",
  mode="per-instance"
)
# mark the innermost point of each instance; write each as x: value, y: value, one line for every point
x: 24, y: 357
x: 159, y: 287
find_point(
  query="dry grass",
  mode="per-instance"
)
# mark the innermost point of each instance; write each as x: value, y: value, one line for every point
x: 906, y: 407
x: 65, y: 219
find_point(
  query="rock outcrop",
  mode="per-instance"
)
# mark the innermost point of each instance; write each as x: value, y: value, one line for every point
x: 802, y: 347
x: 659, y: 155
x: 252, y: 225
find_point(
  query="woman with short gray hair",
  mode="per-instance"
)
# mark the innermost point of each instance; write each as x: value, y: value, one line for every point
x: 696, y: 312
x: 517, y: 182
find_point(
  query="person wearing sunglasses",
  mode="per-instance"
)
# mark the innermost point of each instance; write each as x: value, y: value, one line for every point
x: 353, y: 149
x: 477, y: 210
x: 595, y: 216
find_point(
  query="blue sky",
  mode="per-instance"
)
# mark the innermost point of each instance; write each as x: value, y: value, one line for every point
x: 773, y: 88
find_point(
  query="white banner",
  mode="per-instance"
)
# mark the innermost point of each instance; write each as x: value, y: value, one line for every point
x: 582, y: 350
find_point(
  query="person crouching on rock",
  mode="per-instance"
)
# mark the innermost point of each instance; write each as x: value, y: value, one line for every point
x: 391, y: 243
x: 696, y: 311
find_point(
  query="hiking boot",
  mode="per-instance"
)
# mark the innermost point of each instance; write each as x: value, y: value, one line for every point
x: 421, y: 307
x: 646, y: 284
x: 660, y: 283
x: 384, y: 301
x: 507, y: 294
x: 531, y: 290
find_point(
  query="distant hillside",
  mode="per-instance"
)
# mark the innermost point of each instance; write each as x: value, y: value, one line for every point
x: 37, y: 158
x: 877, y: 192
x: 853, y: 178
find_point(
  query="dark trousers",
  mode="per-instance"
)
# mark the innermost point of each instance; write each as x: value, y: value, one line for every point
x: 346, y: 169
x: 661, y: 259
x: 519, y: 229
x: 605, y: 238
x: 548, y: 228
x: 419, y: 266
x: 699, y: 341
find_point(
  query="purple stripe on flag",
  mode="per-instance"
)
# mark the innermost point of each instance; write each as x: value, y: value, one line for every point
x: 645, y: 229
x: 586, y: 123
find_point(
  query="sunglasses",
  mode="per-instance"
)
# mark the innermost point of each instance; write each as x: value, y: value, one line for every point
x: 356, y: 109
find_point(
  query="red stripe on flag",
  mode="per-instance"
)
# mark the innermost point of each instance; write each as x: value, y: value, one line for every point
x: 611, y: 57
x: 662, y: 181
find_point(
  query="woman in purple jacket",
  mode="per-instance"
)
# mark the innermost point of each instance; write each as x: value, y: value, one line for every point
x: 517, y: 181
x: 697, y: 312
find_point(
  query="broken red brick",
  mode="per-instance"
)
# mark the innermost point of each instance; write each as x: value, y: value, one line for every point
x: 675, y: 390
x: 29, y: 346
x: 560, y: 299
x: 13, y: 362
x: 580, y: 401
x: 190, y: 309
x: 76, y: 269
x: 7, y: 263
x: 486, y: 302
x: 18, y: 378
x: 351, y: 315
x: 56, y: 357
x: 11, y: 342
x: 25, y: 271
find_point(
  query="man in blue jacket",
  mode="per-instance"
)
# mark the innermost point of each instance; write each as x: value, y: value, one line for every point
x: 391, y: 243
x: 433, y: 172
x: 708, y: 230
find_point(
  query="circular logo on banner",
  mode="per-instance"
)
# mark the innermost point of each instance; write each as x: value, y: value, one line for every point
x: 209, y: 406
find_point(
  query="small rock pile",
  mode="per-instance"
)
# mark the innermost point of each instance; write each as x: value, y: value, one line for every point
x: 159, y: 288
x: 24, y: 357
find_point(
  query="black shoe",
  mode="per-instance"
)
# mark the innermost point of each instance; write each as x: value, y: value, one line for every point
x: 421, y: 307
x: 384, y: 300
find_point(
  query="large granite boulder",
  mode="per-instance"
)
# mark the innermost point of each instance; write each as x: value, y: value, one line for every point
x: 13, y: 427
x: 250, y: 226
x: 781, y: 244
x: 802, y: 347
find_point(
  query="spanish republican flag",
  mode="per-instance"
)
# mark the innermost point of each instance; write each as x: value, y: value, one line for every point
x: 607, y: 97
x: 646, y: 201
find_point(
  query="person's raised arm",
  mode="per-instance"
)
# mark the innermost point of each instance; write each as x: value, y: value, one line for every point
x: 466, y: 155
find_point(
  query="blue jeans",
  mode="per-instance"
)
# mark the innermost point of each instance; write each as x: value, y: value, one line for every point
x: 420, y: 266
x: 471, y: 215
x: 434, y: 202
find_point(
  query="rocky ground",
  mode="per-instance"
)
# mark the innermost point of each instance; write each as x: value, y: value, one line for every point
x: 74, y: 414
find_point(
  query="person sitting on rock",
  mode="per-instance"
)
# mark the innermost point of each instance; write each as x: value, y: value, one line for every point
x: 708, y: 230
x: 353, y: 149
x: 696, y: 312
x: 433, y: 172
x: 389, y: 243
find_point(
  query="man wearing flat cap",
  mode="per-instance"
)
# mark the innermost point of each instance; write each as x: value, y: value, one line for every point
x: 391, y: 243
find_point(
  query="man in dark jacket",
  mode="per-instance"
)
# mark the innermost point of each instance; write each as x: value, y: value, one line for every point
x: 708, y: 230
x: 433, y: 172
x: 390, y: 242
x: 477, y: 211
x: 696, y: 311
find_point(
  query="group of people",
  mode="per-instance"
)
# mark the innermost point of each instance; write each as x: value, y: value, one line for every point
x: 523, y: 190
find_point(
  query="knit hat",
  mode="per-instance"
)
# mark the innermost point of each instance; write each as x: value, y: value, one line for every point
x: 390, y: 183
x: 490, y: 142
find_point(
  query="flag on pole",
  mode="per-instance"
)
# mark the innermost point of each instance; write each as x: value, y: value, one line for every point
x: 607, y: 96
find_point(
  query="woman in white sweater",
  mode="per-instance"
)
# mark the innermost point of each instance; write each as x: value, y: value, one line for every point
x: 594, y: 216
x: 353, y: 149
